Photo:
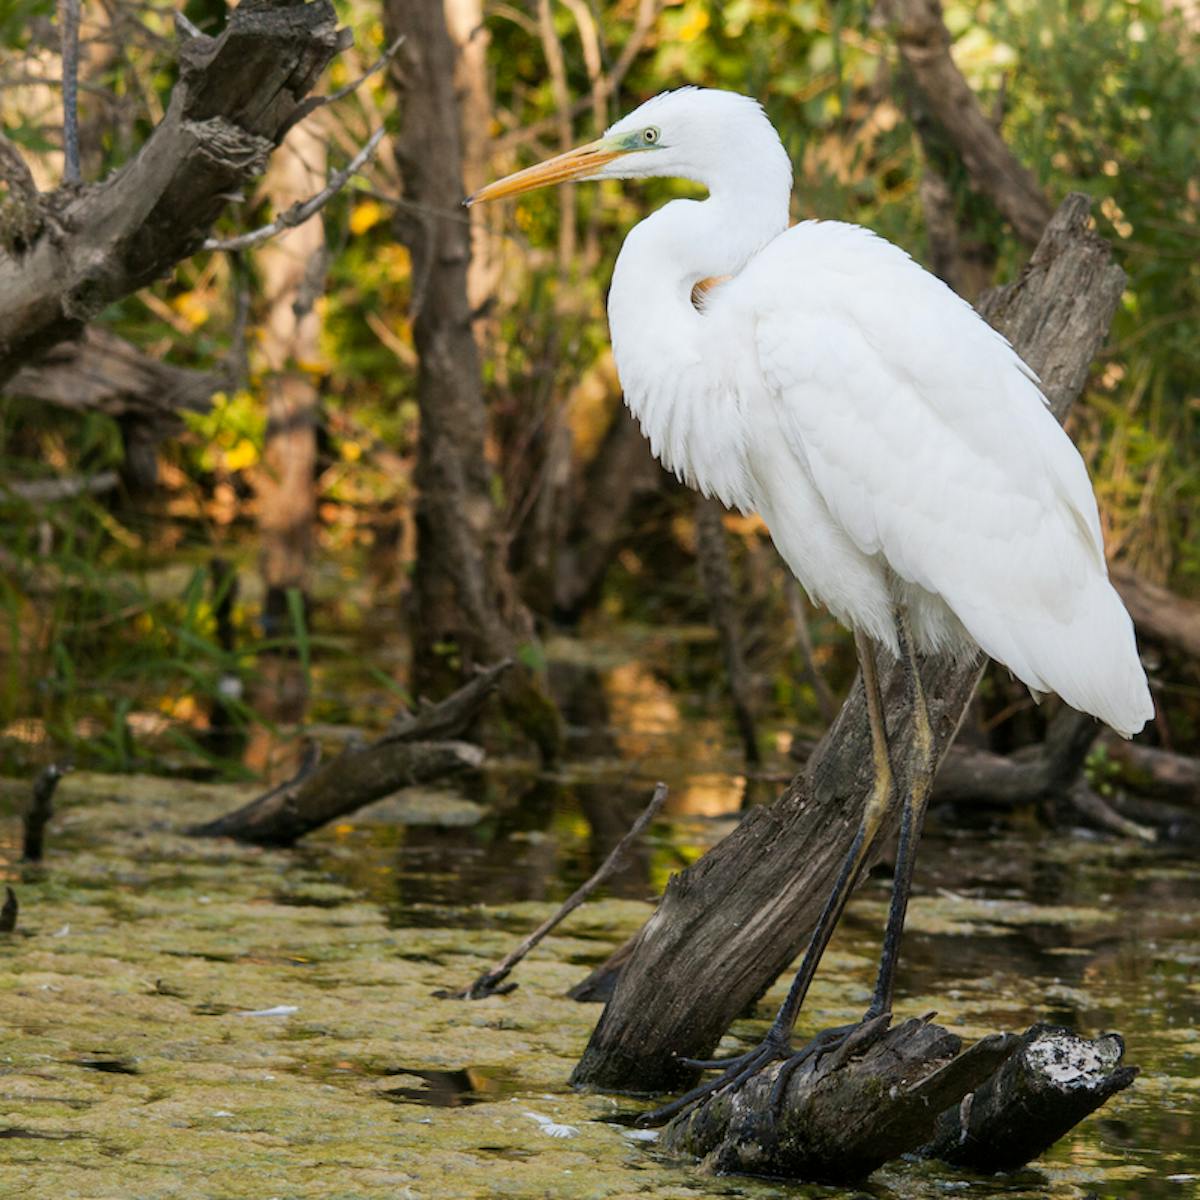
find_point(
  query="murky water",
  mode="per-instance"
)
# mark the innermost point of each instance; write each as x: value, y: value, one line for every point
x: 269, y: 1028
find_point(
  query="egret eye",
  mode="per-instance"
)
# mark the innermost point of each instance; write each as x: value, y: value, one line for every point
x: 650, y: 136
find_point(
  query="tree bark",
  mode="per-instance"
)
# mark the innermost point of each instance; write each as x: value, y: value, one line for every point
x: 236, y: 97
x: 292, y: 269
x: 1053, y: 1080
x: 466, y: 610
x: 622, y: 470
x: 740, y: 915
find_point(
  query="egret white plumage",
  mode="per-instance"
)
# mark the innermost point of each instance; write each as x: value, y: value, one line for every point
x: 898, y: 449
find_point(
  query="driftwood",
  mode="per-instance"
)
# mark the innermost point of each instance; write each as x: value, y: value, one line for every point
x: 361, y: 774
x: 993, y: 1107
x: 491, y: 982
x: 825, y: 1130
x: 1048, y: 1085
x: 236, y: 97
x: 740, y: 915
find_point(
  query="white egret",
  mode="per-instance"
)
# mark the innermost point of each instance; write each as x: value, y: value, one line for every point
x: 898, y: 449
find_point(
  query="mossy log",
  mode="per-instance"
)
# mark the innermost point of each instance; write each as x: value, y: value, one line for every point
x: 840, y: 1118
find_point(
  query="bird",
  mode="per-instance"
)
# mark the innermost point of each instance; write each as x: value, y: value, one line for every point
x: 900, y: 452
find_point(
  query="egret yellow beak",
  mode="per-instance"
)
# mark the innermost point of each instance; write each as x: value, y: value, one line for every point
x: 575, y: 164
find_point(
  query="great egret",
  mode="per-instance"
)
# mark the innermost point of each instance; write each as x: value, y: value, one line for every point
x: 897, y: 447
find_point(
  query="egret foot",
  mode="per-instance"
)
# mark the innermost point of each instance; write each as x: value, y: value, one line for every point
x: 841, y: 1042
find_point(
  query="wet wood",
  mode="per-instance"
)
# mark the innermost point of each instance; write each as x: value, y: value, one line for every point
x: 1052, y: 1081
x: 40, y: 810
x: 841, y: 1118
x: 362, y: 774
x: 729, y: 925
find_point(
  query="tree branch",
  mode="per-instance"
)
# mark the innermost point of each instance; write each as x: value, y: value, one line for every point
x: 924, y: 43
x: 235, y: 97
x: 298, y: 213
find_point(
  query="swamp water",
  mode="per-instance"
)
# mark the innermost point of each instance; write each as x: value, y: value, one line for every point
x: 196, y: 1019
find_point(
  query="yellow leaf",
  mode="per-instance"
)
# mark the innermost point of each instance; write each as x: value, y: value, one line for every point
x: 693, y: 25
x: 191, y: 308
x: 366, y: 214
x: 243, y: 455
x: 351, y: 451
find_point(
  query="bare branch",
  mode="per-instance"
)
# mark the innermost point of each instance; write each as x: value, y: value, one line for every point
x: 489, y: 983
x: 299, y: 213
x: 69, y: 22
x: 311, y: 105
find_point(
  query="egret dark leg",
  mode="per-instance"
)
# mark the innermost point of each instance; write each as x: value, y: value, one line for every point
x: 912, y: 820
x: 777, y: 1043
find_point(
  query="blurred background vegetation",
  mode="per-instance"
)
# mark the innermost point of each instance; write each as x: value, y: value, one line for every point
x: 140, y: 624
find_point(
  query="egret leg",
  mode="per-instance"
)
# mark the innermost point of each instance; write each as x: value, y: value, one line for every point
x: 912, y: 821
x: 777, y: 1043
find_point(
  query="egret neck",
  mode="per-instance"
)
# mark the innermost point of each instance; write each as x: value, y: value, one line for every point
x: 666, y: 347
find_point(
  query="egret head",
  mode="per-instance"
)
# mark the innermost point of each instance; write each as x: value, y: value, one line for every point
x: 694, y: 133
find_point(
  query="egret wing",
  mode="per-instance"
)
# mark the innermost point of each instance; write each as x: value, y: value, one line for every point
x: 932, y: 447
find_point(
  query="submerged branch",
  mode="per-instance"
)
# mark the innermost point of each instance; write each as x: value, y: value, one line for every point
x: 491, y: 983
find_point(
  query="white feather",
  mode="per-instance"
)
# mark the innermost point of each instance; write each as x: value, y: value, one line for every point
x: 898, y: 448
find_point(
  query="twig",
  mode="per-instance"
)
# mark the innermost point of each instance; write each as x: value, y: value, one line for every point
x: 302, y: 210
x: 40, y: 810
x: 69, y: 21
x: 311, y: 105
x: 490, y: 983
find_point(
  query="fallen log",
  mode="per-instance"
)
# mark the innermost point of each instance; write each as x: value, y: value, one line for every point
x: 739, y: 916
x: 840, y: 1117
x: 361, y: 774
x: 912, y: 1089
x: 1047, y: 1086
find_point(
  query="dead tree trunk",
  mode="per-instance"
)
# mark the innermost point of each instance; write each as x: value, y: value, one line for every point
x: 237, y: 96
x: 738, y: 917
x: 466, y: 610
x: 292, y: 268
